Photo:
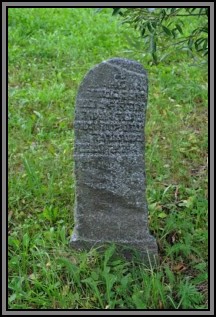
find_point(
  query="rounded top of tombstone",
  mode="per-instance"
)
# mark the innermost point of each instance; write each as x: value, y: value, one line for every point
x: 126, y: 64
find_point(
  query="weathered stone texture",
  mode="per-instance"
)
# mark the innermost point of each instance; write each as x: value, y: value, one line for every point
x: 109, y: 157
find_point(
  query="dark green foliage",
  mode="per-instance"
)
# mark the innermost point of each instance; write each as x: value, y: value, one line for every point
x: 164, y: 29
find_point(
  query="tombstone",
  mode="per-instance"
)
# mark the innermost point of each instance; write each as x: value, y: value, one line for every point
x: 110, y: 202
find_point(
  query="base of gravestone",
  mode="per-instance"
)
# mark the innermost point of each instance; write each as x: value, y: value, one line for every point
x: 130, y: 250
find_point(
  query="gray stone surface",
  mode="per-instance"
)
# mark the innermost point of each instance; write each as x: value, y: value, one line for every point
x: 109, y: 158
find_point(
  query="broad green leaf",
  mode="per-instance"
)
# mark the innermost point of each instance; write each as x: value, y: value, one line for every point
x: 178, y: 26
x: 166, y: 30
x: 116, y: 11
x: 150, y: 28
x: 143, y: 32
x: 162, y: 215
x: 152, y: 44
x: 205, y: 44
x: 190, y: 43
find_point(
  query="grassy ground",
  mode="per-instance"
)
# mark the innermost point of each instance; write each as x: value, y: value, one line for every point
x: 50, y: 50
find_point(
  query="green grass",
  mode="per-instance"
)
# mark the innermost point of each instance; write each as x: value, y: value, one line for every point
x: 50, y: 50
